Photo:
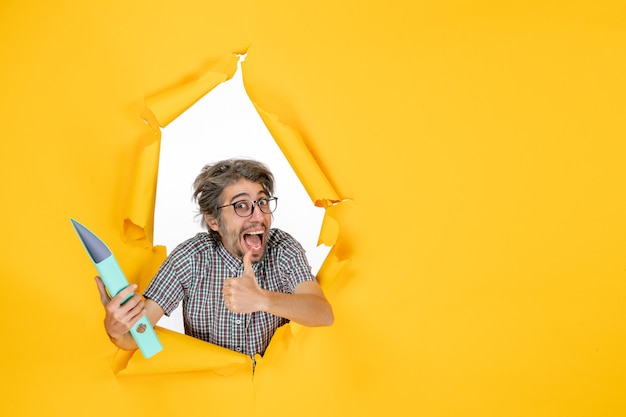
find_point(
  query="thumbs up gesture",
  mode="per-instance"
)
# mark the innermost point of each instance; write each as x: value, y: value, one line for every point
x: 243, y: 294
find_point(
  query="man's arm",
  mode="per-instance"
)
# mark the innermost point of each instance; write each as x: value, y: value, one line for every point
x: 119, y: 319
x: 307, y: 305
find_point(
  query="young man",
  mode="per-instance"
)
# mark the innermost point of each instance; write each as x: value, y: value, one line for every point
x: 240, y: 281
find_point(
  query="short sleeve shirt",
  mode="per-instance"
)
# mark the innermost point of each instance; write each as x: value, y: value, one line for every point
x: 194, y: 273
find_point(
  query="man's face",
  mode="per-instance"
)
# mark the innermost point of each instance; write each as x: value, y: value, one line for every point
x: 242, y: 234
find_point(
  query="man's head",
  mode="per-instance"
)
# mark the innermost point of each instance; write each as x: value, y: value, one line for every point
x: 216, y: 190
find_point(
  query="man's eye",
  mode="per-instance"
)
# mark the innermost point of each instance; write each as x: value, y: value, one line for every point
x: 241, y: 205
x: 262, y: 202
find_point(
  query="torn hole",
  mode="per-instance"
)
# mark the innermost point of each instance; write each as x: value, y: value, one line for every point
x: 224, y: 124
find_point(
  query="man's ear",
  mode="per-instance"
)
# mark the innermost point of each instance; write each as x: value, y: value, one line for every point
x: 211, y: 222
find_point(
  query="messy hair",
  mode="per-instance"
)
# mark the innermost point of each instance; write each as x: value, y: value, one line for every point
x: 214, y: 178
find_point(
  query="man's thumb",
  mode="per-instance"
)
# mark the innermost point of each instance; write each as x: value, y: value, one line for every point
x: 247, y: 264
x: 104, y: 296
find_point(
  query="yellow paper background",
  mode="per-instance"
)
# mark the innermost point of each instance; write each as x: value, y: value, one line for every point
x: 476, y: 149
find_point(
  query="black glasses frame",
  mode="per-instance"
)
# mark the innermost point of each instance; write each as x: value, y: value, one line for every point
x: 255, y: 203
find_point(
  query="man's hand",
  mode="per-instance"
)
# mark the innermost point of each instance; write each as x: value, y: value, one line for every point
x: 120, y: 318
x: 243, y: 294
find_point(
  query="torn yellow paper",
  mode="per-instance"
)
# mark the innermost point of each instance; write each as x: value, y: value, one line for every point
x: 307, y: 169
x: 169, y: 104
x: 140, y: 208
x: 477, y: 269
x: 198, y: 356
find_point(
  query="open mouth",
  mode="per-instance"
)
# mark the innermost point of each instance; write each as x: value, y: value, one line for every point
x: 254, y: 240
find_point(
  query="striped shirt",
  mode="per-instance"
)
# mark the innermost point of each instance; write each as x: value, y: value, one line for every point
x: 194, y: 273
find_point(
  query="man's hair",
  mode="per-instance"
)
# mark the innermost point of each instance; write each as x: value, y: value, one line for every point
x: 210, y: 183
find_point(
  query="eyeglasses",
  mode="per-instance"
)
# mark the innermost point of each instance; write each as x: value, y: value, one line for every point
x: 244, y: 208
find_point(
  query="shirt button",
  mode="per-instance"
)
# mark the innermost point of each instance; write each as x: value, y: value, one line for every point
x: 237, y: 321
x: 238, y: 348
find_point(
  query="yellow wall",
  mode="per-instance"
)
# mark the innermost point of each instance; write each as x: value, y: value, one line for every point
x: 477, y: 149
